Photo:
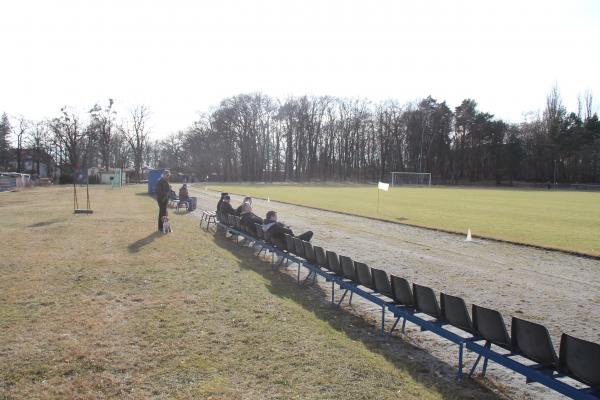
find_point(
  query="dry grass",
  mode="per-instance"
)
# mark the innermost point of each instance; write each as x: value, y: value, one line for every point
x: 102, y: 306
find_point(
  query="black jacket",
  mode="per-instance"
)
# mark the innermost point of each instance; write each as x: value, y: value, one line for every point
x: 226, y: 209
x: 162, y: 190
x: 249, y: 219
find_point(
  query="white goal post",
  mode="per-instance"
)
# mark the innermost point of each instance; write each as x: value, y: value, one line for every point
x: 410, y: 178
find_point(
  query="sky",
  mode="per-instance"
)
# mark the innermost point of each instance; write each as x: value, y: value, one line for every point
x: 181, y: 58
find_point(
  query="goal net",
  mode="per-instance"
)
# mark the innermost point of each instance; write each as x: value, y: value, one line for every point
x: 410, y: 178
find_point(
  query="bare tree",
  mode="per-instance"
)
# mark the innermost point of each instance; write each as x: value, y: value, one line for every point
x: 39, y: 142
x: 69, y: 134
x: 102, y: 123
x: 136, y: 133
x: 23, y: 125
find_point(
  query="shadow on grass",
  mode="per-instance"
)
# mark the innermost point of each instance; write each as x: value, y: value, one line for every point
x: 46, y: 223
x: 138, y: 244
x: 418, y: 363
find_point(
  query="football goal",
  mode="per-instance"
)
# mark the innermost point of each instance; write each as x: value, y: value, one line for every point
x: 410, y: 178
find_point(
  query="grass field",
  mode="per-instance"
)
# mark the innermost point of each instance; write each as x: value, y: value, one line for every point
x: 564, y: 220
x: 102, y: 306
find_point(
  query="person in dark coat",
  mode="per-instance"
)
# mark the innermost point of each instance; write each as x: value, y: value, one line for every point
x: 238, y: 211
x: 249, y: 219
x: 221, y: 201
x: 162, y: 196
x: 276, y: 229
x: 226, y: 207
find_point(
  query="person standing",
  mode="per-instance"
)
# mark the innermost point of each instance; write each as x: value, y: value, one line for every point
x: 162, y: 196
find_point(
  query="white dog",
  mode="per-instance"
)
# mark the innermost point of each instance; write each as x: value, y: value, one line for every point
x: 166, y: 225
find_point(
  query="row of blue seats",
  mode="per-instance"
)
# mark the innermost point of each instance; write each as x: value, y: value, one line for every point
x: 447, y: 317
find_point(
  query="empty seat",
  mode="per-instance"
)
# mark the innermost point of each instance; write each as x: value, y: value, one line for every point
x: 321, y: 257
x: 580, y: 359
x: 455, y: 312
x: 363, y: 274
x: 381, y: 282
x: 533, y: 341
x: 333, y: 263
x: 309, y: 252
x: 426, y: 301
x: 348, y: 271
x: 298, y: 247
x: 401, y: 291
x: 490, y: 325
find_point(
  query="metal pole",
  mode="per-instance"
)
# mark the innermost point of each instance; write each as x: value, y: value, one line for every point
x: 555, y: 174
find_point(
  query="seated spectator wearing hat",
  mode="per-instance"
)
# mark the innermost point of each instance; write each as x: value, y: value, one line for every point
x: 221, y: 200
x: 225, y: 207
x: 239, y: 210
x: 249, y: 219
x: 276, y: 229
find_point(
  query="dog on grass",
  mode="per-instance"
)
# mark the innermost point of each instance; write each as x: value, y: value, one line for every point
x: 166, y: 225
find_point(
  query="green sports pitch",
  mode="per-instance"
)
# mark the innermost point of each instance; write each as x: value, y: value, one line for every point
x: 565, y: 220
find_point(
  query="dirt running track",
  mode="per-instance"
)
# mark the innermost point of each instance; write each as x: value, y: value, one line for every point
x: 559, y: 290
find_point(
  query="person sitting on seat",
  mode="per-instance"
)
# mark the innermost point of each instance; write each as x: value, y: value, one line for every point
x: 226, y: 208
x: 249, y: 219
x: 221, y: 200
x: 219, y: 204
x: 239, y: 210
x: 276, y: 230
x: 183, y: 193
x: 185, y: 196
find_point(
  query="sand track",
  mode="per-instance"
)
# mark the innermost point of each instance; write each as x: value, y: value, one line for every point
x: 559, y: 290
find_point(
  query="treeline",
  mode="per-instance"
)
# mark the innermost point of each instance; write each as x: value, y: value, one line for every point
x: 254, y: 137
x: 70, y: 141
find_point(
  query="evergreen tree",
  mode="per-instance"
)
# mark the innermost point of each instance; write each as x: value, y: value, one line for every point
x: 5, y: 130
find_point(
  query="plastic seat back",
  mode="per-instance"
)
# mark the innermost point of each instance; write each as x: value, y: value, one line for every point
x: 381, y: 282
x: 490, y: 325
x: 333, y: 263
x: 426, y: 301
x: 260, y: 234
x: 533, y: 341
x: 309, y: 252
x: 402, y: 293
x: 348, y: 271
x: 455, y: 312
x: 278, y: 242
x: 289, y: 243
x: 580, y: 359
x: 363, y: 274
x: 321, y: 257
x: 298, y: 247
